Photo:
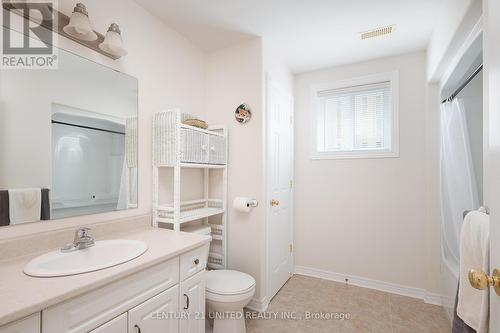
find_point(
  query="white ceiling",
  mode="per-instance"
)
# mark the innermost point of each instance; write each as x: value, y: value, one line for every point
x: 305, y: 34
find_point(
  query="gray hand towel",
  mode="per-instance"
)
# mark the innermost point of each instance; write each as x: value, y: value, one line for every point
x: 4, y: 208
x: 45, y: 211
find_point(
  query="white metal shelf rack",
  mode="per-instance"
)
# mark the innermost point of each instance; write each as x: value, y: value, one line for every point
x: 178, y: 146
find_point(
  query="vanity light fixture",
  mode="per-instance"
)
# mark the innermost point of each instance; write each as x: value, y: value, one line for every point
x: 77, y: 27
x: 79, y: 24
x: 113, y: 43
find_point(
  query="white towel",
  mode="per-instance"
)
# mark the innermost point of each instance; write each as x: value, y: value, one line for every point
x: 25, y: 205
x: 473, y: 304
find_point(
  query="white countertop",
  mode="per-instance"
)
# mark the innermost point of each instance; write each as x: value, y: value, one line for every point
x: 22, y: 295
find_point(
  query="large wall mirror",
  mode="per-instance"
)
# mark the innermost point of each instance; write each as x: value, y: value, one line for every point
x: 68, y: 141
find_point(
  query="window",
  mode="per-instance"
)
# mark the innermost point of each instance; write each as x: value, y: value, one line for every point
x: 356, y: 118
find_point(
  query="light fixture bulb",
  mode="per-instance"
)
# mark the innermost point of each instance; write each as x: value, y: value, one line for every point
x: 79, y: 24
x: 113, y: 43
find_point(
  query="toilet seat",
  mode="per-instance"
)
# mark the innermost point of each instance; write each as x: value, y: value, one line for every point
x: 229, y: 282
x: 229, y: 298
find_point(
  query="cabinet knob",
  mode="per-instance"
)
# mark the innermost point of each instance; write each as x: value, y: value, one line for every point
x: 196, y: 261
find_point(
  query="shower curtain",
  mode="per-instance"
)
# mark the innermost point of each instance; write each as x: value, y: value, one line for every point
x: 458, y: 184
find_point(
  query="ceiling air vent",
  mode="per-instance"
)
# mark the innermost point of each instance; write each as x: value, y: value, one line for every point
x: 378, y: 32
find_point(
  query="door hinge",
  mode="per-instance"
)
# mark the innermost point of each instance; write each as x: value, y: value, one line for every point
x: 291, y: 120
x: 291, y: 248
x: 291, y: 183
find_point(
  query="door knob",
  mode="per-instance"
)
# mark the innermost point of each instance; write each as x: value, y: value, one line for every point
x: 275, y: 202
x: 481, y: 281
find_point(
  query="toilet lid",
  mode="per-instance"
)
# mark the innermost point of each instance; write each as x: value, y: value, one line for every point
x: 227, y: 282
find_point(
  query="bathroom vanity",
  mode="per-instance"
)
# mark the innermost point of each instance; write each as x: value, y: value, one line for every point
x: 162, y: 290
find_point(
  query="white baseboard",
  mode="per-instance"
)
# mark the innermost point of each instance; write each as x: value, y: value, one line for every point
x: 433, y: 298
x: 392, y: 288
x: 258, y: 305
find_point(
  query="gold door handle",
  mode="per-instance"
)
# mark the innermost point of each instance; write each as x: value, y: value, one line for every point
x: 481, y: 281
x: 275, y: 202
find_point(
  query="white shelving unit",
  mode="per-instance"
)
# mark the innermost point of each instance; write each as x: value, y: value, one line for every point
x: 178, y: 146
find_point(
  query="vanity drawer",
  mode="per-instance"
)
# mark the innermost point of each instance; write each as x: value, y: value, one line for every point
x: 29, y: 324
x: 194, y: 261
x: 88, y: 311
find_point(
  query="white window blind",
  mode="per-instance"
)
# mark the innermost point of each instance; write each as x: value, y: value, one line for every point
x: 355, y: 119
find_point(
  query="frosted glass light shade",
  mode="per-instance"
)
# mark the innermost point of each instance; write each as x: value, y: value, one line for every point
x: 79, y: 24
x: 113, y: 43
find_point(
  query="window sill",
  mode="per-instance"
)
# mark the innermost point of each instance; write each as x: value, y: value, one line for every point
x: 354, y: 155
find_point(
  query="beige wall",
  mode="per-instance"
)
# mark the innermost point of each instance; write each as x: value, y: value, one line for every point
x: 455, y: 23
x: 276, y: 68
x: 432, y: 256
x: 234, y: 76
x: 170, y: 71
x: 367, y: 217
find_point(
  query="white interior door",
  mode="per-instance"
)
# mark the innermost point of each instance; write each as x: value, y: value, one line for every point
x: 491, y: 14
x: 279, y: 186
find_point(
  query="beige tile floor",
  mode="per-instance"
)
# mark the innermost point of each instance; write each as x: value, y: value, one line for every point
x: 369, y: 310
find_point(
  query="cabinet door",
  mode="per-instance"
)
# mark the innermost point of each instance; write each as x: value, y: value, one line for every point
x: 157, y: 315
x: 192, y: 303
x: 117, y: 325
x: 30, y: 324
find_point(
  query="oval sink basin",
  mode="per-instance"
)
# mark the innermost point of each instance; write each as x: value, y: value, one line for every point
x: 102, y: 255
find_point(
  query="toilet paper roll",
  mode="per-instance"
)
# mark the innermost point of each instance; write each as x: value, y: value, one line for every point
x: 242, y: 204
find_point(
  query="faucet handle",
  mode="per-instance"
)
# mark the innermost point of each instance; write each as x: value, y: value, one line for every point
x: 83, y: 239
x: 82, y: 232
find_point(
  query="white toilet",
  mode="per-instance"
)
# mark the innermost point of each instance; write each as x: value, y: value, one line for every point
x: 227, y: 293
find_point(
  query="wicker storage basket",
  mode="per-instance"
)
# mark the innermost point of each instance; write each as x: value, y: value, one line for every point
x: 217, y: 154
x: 194, y: 146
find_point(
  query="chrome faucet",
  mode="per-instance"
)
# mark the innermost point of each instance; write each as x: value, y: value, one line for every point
x: 82, y: 240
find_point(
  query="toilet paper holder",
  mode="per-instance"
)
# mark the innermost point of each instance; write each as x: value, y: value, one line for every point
x: 252, y: 203
x: 244, y: 204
